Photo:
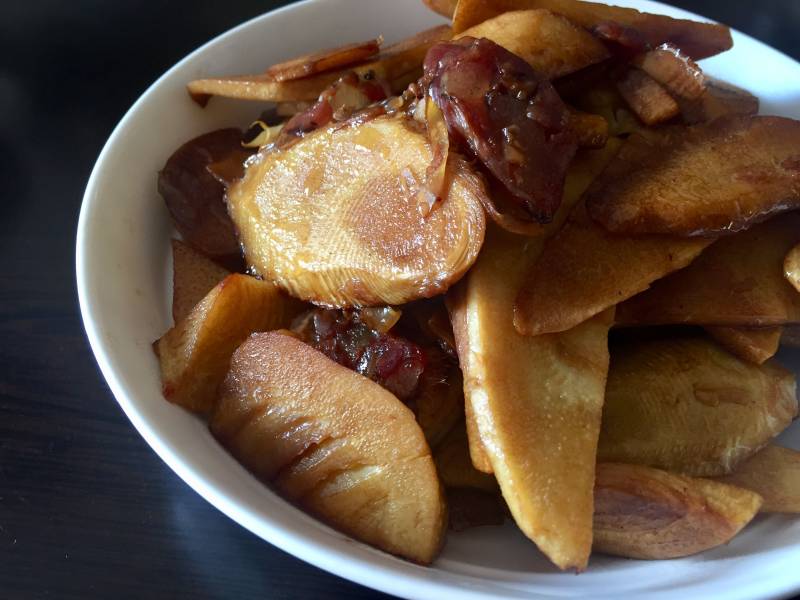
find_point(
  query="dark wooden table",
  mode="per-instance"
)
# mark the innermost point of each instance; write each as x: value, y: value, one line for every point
x: 87, y: 510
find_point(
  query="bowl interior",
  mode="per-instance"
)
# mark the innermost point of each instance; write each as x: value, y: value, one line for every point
x: 124, y: 282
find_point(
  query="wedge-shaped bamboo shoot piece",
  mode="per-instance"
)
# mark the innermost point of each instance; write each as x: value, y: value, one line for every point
x: 333, y: 441
x: 753, y: 345
x: 737, y: 282
x: 774, y: 474
x: 193, y: 276
x: 537, y: 403
x: 334, y: 218
x: 709, y: 179
x: 325, y: 60
x: 698, y: 40
x: 647, y: 98
x: 195, y: 354
x: 262, y: 87
x: 477, y: 451
x: 687, y: 405
x: 405, y: 56
x: 549, y: 43
x: 399, y: 64
x: 651, y: 514
x: 584, y: 270
x: 791, y: 267
x: 584, y: 168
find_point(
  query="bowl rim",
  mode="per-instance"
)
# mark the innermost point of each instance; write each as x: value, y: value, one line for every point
x: 416, y: 581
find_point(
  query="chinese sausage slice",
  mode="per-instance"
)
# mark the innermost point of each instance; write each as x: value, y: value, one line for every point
x: 334, y: 442
x: 334, y: 219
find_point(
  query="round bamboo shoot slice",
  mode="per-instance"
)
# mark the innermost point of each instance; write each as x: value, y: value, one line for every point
x: 334, y: 219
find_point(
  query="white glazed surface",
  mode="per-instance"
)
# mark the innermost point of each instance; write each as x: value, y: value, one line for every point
x: 123, y: 273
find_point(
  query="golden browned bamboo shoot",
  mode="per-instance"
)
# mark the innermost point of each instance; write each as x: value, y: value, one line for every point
x: 193, y: 276
x: 687, y: 405
x: 334, y: 218
x: 698, y: 40
x: 710, y: 179
x: 737, y: 282
x: 325, y: 60
x: 549, y: 43
x: 536, y: 401
x: 674, y: 70
x: 399, y: 64
x: 333, y: 441
x: 194, y: 355
x: 584, y: 270
x: 753, y: 345
x: 651, y: 514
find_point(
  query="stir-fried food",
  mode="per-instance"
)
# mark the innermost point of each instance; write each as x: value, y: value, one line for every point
x: 512, y: 120
x: 688, y: 406
x: 642, y: 512
x: 551, y: 44
x: 334, y: 219
x: 533, y: 266
x: 774, y: 474
x: 337, y: 443
x: 697, y: 40
x: 696, y: 181
x: 755, y: 345
x: 749, y: 265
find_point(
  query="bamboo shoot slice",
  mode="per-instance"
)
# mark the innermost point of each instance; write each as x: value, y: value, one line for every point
x: 333, y: 219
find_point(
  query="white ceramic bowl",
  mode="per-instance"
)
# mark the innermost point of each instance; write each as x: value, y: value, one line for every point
x: 123, y: 272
